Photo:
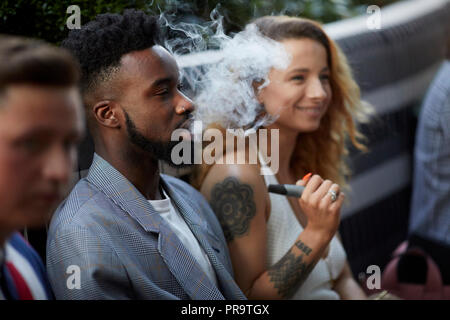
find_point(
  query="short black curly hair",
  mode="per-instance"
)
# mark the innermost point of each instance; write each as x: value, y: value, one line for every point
x: 100, y: 44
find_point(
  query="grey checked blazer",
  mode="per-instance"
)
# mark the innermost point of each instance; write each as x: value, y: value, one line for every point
x: 125, y: 250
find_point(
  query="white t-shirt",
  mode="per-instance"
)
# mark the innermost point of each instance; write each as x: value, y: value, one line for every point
x: 172, y: 216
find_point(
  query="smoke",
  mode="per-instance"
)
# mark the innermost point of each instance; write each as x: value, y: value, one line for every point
x: 190, y: 37
x: 224, y: 81
x: 227, y: 92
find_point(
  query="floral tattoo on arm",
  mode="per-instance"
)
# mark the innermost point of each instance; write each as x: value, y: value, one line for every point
x: 233, y: 203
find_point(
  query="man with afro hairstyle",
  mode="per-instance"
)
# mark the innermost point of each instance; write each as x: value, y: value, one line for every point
x: 126, y: 231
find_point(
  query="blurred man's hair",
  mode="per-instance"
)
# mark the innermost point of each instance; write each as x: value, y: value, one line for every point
x: 100, y: 44
x: 30, y: 61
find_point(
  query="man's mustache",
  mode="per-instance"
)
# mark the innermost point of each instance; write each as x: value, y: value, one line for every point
x: 186, y: 123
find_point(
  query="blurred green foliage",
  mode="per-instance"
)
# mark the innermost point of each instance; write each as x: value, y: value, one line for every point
x: 47, y: 19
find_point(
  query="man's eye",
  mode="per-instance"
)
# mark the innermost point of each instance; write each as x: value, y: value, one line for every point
x: 32, y: 145
x: 162, y: 92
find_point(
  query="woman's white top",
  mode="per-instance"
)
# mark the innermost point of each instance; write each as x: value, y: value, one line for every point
x: 283, y: 228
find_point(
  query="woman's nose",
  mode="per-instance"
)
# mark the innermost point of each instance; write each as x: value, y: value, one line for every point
x: 316, y: 91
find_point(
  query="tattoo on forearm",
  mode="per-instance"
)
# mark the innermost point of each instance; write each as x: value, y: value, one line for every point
x: 291, y: 271
x: 234, y: 206
x: 307, y: 250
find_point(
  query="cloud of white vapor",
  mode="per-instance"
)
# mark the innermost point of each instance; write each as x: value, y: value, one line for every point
x: 224, y: 89
x: 227, y: 93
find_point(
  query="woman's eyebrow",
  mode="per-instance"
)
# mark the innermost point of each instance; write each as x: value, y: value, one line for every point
x: 307, y: 70
x: 299, y: 70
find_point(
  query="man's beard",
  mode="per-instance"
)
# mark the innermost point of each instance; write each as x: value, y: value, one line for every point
x: 158, y: 149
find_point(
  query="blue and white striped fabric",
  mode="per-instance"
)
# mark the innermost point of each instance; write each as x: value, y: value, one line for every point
x: 430, y: 208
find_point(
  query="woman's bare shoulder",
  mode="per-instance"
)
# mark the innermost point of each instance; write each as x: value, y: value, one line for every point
x: 243, y: 173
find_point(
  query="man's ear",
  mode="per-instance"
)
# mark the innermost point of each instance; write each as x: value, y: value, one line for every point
x: 106, y: 113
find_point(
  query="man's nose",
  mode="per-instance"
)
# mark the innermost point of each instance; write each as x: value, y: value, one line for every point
x: 184, y: 105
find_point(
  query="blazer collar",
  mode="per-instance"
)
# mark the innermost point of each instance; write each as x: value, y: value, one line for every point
x: 123, y: 193
x: 208, y: 240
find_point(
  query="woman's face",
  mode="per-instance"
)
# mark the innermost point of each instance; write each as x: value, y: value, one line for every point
x: 299, y: 95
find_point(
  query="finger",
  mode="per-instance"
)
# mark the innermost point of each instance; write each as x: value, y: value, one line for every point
x: 322, y: 191
x: 302, y: 182
x: 311, y: 186
x: 336, y: 206
x: 327, y: 200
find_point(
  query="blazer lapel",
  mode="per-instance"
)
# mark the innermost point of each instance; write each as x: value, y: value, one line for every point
x: 178, y: 259
x: 185, y: 268
x: 201, y: 231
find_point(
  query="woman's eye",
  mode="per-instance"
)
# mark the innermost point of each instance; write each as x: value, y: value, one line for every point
x: 325, y: 77
x: 298, y: 78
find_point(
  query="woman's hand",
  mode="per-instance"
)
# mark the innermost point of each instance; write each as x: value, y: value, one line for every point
x: 317, y: 203
x: 239, y: 197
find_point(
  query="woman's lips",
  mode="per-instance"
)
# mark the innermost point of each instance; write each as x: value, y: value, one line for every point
x: 312, y: 111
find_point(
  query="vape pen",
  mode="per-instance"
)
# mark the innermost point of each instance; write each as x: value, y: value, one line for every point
x: 290, y: 190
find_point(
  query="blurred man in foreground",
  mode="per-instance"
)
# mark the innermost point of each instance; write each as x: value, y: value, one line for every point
x: 40, y: 123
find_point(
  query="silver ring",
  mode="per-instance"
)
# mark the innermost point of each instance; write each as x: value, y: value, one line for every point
x: 333, y: 195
